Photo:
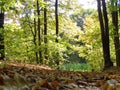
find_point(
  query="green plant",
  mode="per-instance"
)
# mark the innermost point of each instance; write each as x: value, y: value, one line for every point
x: 75, y: 67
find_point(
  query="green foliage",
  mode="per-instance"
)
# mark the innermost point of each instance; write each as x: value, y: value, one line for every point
x: 79, y: 16
x: 56, y: 54
x: 111, y: 5
x: 76, y: 67
x: 6, y: 5
x: 91, y: 39
x: 79, y: 35
x: 15, y: 44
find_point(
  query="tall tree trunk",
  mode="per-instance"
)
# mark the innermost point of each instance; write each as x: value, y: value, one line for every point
x: 2, y: 52
x: 45, y: 25
x: 103, y: 19
x: 116, y: 34
x: 56, y: 18
x: 39, y: 34
x: 45, y: 32
x: 57, y: 28
x: 34, y: 38
x: 108, y: 62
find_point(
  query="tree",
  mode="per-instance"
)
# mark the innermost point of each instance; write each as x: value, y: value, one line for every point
x: 2, y: 52
x: 103, y: 19
x: 80, y: 15
x: 90, y: 39
x: 34, y: 33
x: 57, y: 27
x: 40, y: 29
x: 45, y: 31
x: 114, y: 13
x: 56, y: 19
x: 39, y: 33
x: 5, y: 5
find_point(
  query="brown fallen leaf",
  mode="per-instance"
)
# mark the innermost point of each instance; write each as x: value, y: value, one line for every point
x: 43, y: 83
x: 75, y: 89
x: 100, y: 83
x: 112, y: 76
x: 70, y: 81
x: 106, y: 86
x: 55, y: 84
x: 1, y: 80
x: 37, y: 85
x: 109, y: 85
x: 46, y: 84
x: 83, y: 83
x: 70, y: 86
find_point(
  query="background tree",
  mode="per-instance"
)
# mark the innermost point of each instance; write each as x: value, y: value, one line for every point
x: 45, y: 31
x: 103, y: 18
x: 4, y: 6
x: 114, y: 13
x: 56, y: 18
x: 39, y: 32
x: 77, y: 40
x: 2, y: 52
x: 34, y: 33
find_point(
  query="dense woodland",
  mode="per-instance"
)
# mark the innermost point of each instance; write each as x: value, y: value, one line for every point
x: 59, y: 45
x: 60, y: 33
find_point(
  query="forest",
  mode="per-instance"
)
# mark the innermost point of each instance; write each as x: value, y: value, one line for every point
x: 42, y: 38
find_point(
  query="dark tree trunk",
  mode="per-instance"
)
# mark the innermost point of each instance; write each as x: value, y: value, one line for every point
x: 56, y: 18
x: 45, y: 25
x: 2, y: 52
x: 57, y: 28
x: 34, y: 38
x: 45, y: 33
x: 103, y: 19
x: 39, y: 34
x: 108, y: 62
x: 116, y: 34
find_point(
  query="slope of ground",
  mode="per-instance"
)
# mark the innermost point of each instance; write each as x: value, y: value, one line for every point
x: 20, y: 76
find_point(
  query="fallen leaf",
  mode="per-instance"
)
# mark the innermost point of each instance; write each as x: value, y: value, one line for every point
x: 83, y: 83
x: 55, y: 84
x: 43, y: 83
x: 100, y: 83
x: 1, y: 80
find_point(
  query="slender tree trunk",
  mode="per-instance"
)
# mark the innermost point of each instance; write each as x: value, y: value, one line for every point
x: 27, y: 47
x: 108, y: 61
x: 57, y: 28
x: 2, y: 52
x: 103, y: 19
x: 119, y: 6
x: 56, y: 18
x: 116, y: 34
x: 45, y: 33
x: 45, y: 25
x: 34, y: 39
x: 39, y: 33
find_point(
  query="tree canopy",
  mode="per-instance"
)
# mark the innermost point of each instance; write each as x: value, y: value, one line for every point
x: 58, y: 33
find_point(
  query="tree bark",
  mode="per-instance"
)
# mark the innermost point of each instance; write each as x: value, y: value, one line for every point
x: 45, y: 33
x: 103, y: 19
x: 116, y: 33
x: 57, y: 29
x: 34, y: 38
x: 39, y: 34
x: 56, y: 18
x: 2, y: 47
x: 45, y: 25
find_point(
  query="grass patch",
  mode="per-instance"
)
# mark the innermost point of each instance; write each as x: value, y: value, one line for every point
x: 75, y: 67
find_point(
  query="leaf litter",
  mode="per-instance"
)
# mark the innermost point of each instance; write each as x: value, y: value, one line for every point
x: 21, y: 76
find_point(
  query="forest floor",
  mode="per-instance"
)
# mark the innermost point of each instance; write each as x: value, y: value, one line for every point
x: 21, y: 76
